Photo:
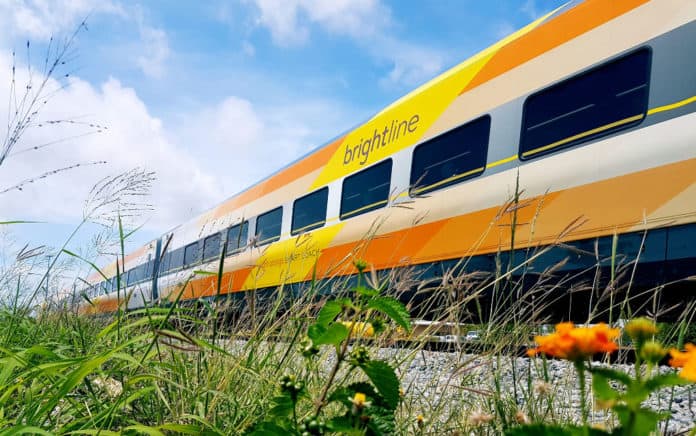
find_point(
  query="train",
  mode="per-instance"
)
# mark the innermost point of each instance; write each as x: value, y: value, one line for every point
x: 574, y: 138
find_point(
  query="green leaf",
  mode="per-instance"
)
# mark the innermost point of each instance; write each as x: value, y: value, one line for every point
x: 641, y: 422
x: 144, y: 429
x: 665, y: 380
x: 334, y: 335
x: 343, y: 425
x: 367, y: 292
x: 392, y: 308
x: 182, y: 428
x: 282, y: 406
x: 381, y: 421
x: 330, y: 311
x: 269, y: 428
x: 24, y: 429
x: 612, y: 374
x: 602, y: 389
x: 384, y: 378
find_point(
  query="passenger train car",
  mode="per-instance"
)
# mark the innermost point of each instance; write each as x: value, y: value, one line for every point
x: 588, y: 115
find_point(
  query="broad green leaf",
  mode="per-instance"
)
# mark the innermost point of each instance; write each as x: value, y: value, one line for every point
x: 334, y: 335
x: 665, y: 380
x: 282, y: 406
x: 612, y: 374
x: 330, y: 311
x: 344, y: 425
x: 392, y: 308
x: 602, y: 389
x: 268, y: 429
x: 643, y: 422
x: 384, y: 378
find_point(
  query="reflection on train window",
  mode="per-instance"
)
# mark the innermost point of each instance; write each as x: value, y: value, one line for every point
x: 237, y: 237
x: 191, y: 254
x: 367, y: 190
x: 611, y: 97
x: 211, y: 246
x: 309, y: 212
x: 454, y: 156
x: 268, y: 226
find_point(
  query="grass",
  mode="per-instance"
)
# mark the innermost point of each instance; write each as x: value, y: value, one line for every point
x: 188, y: 370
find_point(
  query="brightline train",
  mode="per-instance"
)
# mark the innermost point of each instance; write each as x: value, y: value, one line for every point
x: 589, y: 112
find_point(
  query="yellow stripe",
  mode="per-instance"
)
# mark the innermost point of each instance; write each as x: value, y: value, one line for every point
x: 501, y: 161
x: 669, y: 107
x: 447, y: 180
x: 360, y: 209
x: 308, y: 226
x: 583, y: 134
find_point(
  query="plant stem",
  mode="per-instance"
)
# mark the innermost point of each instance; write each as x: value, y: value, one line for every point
x: 580, y: 368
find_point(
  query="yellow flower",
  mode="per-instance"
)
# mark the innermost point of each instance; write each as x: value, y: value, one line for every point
x: 641, y: 329
x: 685, y: 360
x: 420, y: 421
x: 576, y: 343
x: 359, y: 401
x: 363, y: 329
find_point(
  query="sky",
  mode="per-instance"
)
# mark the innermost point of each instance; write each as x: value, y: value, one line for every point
x: 210, y: 96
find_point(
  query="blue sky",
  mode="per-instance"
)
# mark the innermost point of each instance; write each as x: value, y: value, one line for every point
x: 212, y: 96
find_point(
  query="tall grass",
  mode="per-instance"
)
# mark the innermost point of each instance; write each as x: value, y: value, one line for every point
x: 211, y: 368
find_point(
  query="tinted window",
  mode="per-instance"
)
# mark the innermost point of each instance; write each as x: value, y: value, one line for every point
x: 130, y: 277
x: 177, y: 260
x: 211, y: 246
x: 366, y: 190
x: 237, y: 237
x: 451, y: 157
x: 309, y: 212
x: 191, y: 254
x: 603, y: 100
x: 164, y: 262
x: 268, y: 226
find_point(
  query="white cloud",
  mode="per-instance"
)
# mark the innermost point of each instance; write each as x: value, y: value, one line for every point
x: 41, y: 19
x: 366, y: 21
x: 530, y: 9
x: 412, y: 64
x: 134, y: 139
x: 288, y: 20
x: 155, y: 51
x: 200, y: 159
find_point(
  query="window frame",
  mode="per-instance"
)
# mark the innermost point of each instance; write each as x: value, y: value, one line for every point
x: 280, y: 228
x: 242, y: 242
x: 598, y: 131
x: 315, y: 225
x: 219, y: 246
x: 368, y: 207
x: 197, y: 257
x: 457, y: 178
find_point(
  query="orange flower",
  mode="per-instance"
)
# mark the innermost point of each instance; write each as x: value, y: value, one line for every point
x: 576, y: 343
x: 685, y: 360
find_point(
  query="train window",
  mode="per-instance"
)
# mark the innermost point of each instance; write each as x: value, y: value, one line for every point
x: 452, y: 157
x: 164, y: 262
x: 130, y: 277
x: 211, y: 246
x: 611, y: 97
x: 367, y: 190
x: 268, y: 226
x: 177, y: 259
x: 237, y: 237
x: 309, y: 212
x: 191, y: 254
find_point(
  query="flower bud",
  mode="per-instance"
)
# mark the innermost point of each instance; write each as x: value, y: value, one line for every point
x: 641, y: 329
x: 652, y: 352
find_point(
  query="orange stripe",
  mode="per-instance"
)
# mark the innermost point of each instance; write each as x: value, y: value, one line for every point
x: 580, y: 19
x: 311, y: 163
